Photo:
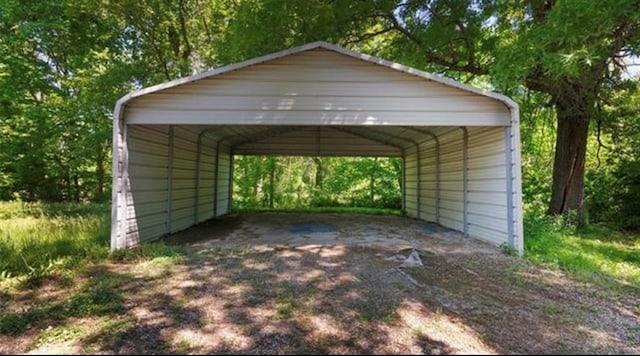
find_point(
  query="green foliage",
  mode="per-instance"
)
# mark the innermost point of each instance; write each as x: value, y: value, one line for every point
x: 537, y: 129
x: 290, y: 23
x: 21, y: 210
x: 628, y: 195
x: 96, y: 300
x: 508, y: 249
x: 63, y: 65
x: 36, y: 239
x: 568, y: 40
x: 620, y: 118
x: 596, y: 254
x: 59, y: 334
x: 301, y: 182
x: 61, y: 75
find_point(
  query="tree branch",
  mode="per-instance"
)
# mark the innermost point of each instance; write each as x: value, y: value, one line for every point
x: 183, y: 29
x: 366, y: 36
x: 441, y: 60
x: 438, y: 58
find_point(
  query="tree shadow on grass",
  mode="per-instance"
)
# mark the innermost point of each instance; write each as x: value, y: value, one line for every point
x: 96, y: 297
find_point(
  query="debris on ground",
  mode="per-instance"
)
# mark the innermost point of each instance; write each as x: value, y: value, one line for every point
x: 407, y: 261
x: 413, y: 260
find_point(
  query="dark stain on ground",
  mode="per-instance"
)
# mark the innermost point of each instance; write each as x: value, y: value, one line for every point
x: 213, y: 229
x: 310, y: 227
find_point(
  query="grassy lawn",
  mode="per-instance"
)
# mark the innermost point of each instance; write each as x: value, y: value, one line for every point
x: 595, y: 253
x: 37, y: 238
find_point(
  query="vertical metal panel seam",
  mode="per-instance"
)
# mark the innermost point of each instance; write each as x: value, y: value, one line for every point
x: 230, y: 188
x: 169, y: 181
x: 403, y: 189
x: 465, y: 181
x: 418, y: 181
x: 216, y: 175
x: 197, y: 183
x: 437, y: 179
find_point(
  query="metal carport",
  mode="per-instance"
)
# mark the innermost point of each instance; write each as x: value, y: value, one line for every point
x: 173, y: 144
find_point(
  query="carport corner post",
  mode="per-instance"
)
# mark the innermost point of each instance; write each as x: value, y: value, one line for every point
x: 465, y: 181
x: 514, y: 173
x: 119, y: 177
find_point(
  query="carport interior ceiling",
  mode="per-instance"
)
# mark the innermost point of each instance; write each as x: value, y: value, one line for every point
x: 174, y: 143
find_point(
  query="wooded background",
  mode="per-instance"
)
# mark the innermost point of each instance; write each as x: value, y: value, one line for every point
x: 63, y: 64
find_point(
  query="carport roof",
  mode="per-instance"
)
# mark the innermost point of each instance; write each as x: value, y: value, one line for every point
x: 310, y: 46
x: 391, y: 140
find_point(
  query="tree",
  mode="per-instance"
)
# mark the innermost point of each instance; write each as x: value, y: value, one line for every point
x: 568, y: 50
x: 58, y: 86
x: 64, y: 63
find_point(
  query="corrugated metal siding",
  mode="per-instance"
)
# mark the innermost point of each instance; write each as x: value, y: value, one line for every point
x: 451, y: 179
x: 224, y: 171
x: 118, y: 201
x: 207, y: 178
x: 487, y: 185
x: 317, y: 141
x: 183, y: 195
x: 411, y: 182
x: 316, y: 87
x: 148, y: 157
x: 147, y: 189
x: 486, y: 181
x: 147, y: 184
x: 428, y: 180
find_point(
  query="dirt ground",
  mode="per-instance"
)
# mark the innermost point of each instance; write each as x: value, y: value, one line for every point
x: 272, y: 283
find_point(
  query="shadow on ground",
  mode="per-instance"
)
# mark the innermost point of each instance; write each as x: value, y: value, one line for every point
x: 312, y: 299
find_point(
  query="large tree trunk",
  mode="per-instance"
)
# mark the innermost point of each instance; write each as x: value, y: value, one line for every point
x: 567, y: 192
x: 76, y: 187
x: 372, y: 181
x: 319, y: 172
x: 272, y: 180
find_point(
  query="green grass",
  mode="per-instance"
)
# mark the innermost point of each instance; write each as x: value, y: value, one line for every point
x: 329, y: 209
x: 594, y: 253
x: 97, y: 297
x: 36, y: 238
x: 62, y: 333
